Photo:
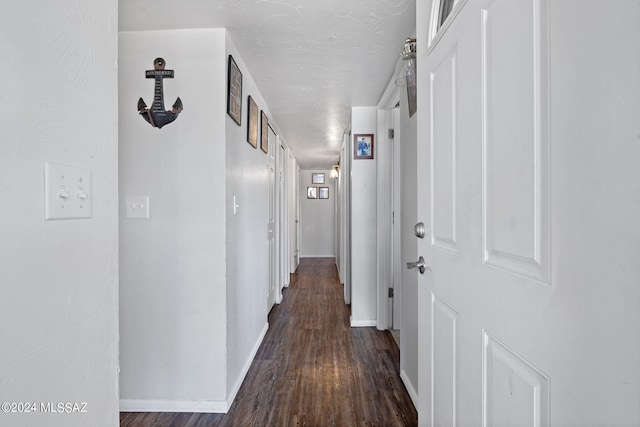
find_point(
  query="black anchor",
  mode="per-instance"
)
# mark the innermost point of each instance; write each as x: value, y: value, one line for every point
x: 157, y: 115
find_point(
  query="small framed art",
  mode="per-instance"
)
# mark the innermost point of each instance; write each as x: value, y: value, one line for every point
x: 363, y: 146
x: 323, y: 192
x: 317, y: 178
x: 312, y: 192
x: 234, y: 92
x: 252, y: 128
x: 264, y: 132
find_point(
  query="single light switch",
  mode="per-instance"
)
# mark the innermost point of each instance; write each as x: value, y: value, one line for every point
x: 67, y: 192
x: 137, y: 207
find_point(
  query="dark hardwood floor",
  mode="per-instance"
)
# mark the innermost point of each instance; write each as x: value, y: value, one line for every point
x: 312, y: 368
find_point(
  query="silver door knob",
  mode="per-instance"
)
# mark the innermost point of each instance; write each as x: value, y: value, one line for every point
x: 419, y: 230
x: 419, y: 265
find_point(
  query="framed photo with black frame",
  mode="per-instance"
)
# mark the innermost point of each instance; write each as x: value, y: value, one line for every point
x: 252, y: 120
x: 323, y: 192
x: 312, y: 192
x: 234, y: 92
x: 317, y: 178
x: 264, y: 132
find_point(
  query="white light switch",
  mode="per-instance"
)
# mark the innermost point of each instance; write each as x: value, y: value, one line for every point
x: 137, y: 207
x: 67, y: 192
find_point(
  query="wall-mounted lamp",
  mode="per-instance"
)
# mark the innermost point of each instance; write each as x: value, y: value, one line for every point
x: 406, y: 68
x: 335, y: 171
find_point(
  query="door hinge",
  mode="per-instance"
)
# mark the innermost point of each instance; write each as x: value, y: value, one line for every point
x: 392, y: 133
x: 390, y: 292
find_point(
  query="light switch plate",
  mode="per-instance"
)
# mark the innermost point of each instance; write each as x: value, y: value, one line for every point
x: 67, y: 192
x: 137, y: 207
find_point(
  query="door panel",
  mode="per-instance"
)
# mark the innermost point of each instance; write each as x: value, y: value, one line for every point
x: 445, y: 359
x: 443, y: 153
x: 516, y: 137
x: 515, y: 392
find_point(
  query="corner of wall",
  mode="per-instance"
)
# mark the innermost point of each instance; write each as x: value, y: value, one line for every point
x: 363, y: 222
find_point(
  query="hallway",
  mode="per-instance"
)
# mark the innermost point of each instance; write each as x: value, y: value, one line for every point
x: 312, y: 368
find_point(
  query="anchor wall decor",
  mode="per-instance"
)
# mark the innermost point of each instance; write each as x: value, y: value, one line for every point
x: 157, y: 116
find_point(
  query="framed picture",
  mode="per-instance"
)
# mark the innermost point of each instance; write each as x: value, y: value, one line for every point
x: 312, y: 192
x: 252, y: 119
x: 363, y: 146
x: 317, y: 178
x: 264, y: 132
x: 234, y: 91
x: 323, y: 192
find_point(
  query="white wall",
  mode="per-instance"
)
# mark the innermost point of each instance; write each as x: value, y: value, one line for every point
x: 246, y: 236
x: 317, y: 217
x: 59, y: 279
x: 363, y: 224
x: 173, y: 288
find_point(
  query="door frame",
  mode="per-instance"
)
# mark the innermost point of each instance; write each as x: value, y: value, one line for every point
x: 387, y: 234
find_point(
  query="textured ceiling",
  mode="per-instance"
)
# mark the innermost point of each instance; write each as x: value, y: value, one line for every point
x: 311, y: 59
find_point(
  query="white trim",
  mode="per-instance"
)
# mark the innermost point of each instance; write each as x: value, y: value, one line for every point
x: 384, y: 209
x: 234, y: 391
x: 204, y: 406
x: 391, y: 95
x: 363, y: 323
x: 435, y: 33
x: 409, y: 386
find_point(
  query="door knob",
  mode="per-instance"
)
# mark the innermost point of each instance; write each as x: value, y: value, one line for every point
x: 419, y: 230
x: 419, y: 265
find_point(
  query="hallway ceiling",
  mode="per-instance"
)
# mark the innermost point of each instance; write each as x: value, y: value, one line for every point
x: 311, y: 59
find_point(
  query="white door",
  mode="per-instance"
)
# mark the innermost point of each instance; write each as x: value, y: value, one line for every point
x: 529, y: 187
x: 283, y: 219
x: 272, y: 224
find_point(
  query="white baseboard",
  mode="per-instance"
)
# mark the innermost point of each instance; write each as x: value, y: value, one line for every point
x: 317, y: 256
x: 363, y: 323
x: 206, y: 406
x: 209, y: 407
x: 410, y: 389
x: 245, y: 368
